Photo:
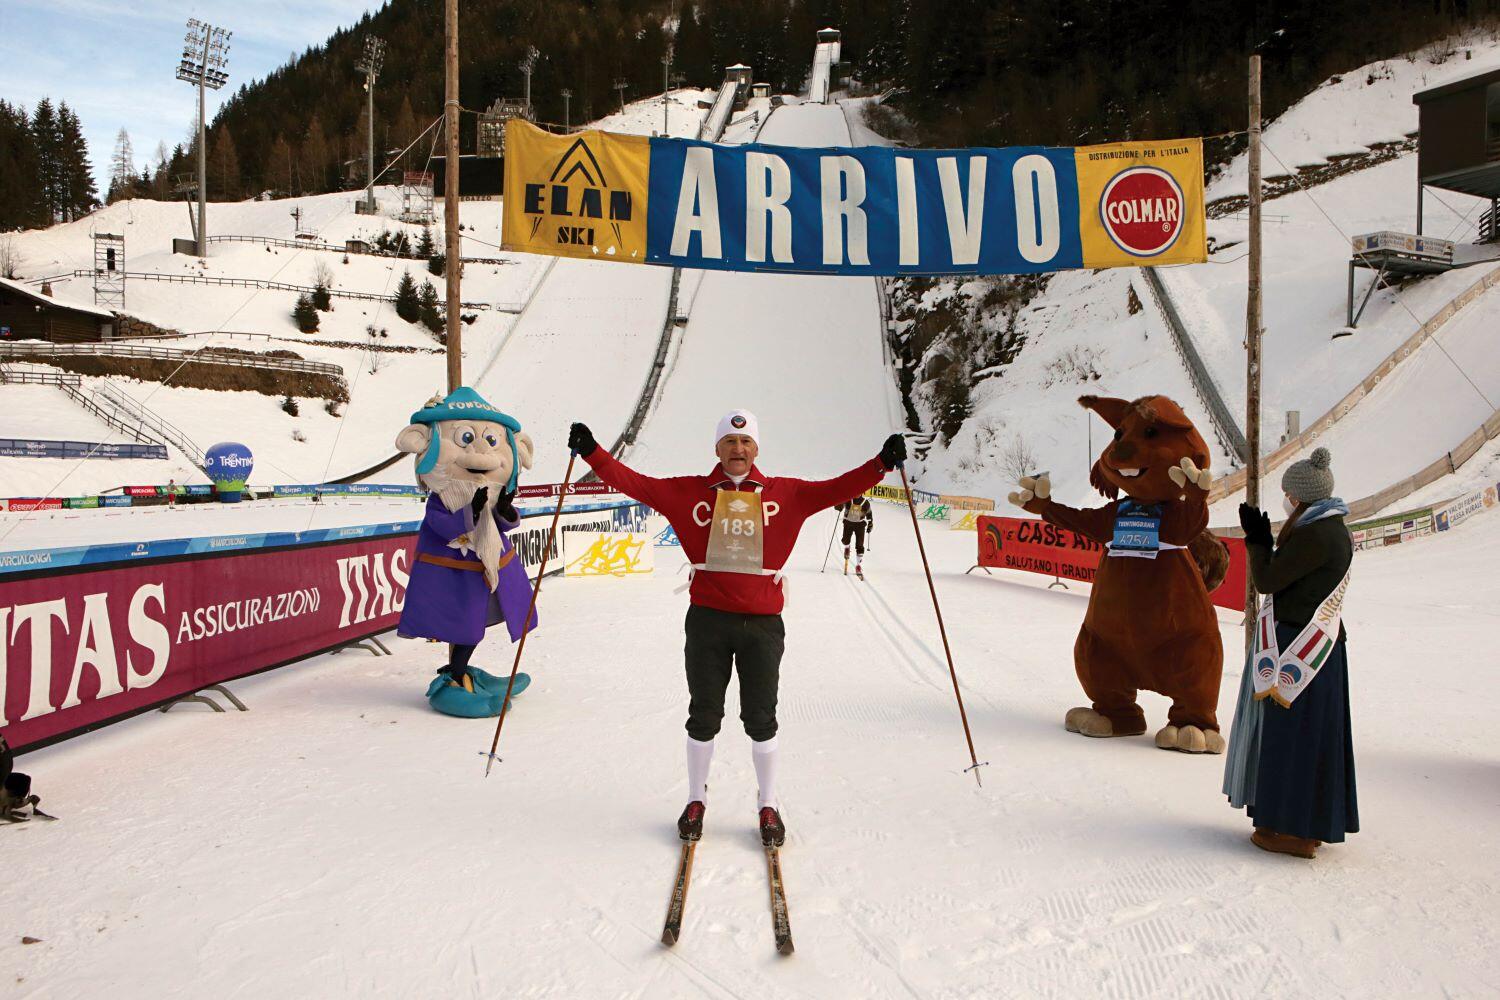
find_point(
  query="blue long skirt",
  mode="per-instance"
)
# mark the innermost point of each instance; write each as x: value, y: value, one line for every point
x: 1296, y: 765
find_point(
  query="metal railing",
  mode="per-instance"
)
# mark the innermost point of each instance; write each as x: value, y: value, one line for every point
x: 1225, y: 427
x: 276, y: 241
x: 122, y: 410
x: 110, y: 404
x: 22, y: 350
x: 658, y: 365
x: 275, y: 286
x: 1489, y: 232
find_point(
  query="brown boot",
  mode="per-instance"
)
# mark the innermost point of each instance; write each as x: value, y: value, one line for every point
x: 1282, y: 843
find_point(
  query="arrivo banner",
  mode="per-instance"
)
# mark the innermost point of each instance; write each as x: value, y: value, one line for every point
x: 1035, y: 546
x: 869, y: 210
x: 82, y: 644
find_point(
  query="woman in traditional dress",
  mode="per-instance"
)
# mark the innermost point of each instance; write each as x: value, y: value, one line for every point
x: 1291, y: 752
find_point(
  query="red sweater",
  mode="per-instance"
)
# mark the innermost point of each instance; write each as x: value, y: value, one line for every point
x: 687, y: 502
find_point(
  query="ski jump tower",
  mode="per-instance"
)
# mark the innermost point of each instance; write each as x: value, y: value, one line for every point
x: 825, y: 57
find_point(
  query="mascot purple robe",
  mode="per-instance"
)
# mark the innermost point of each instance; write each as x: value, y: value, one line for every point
x: 467, y: 574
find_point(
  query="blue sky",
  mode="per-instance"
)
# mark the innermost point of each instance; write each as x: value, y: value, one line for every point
x: 114, y: 62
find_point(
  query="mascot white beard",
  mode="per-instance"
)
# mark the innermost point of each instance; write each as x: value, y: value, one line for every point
x: 456, y: 492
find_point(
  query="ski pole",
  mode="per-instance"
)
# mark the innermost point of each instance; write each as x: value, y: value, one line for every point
x: 831, y: 535
x: 963, y: 715
x: 562, y: 495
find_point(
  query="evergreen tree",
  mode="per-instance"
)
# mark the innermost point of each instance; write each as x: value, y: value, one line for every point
x: 122, y: 175
x: 408, y: 300
x: 20, y: 181
x: 79, y: 195
x: 305, y: 314
x: 431, y: 314
x: 279, y: 170
x: 425, y: 246
x: 315, y: 159
x: 224, y: 167
x: 437, y: 263
x: 49, y: 183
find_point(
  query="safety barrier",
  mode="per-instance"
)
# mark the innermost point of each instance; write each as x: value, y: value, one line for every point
x: 261, y: 283
x: 27, y: 350
x: 1225, y: 428
x: 1235, y: 481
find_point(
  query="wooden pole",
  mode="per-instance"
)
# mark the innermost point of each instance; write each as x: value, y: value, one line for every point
x: 450, y: 203
x: 963, y: 716
x: 1252, y: 337
x: 562, y: 495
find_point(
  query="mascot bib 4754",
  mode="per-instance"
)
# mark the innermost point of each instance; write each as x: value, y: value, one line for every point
x: 1150, y: 624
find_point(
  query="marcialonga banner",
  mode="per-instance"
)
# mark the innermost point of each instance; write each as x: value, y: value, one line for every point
x: 863, y: 210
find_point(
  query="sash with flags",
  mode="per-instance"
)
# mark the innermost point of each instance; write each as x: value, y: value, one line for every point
x: 1282, y: 675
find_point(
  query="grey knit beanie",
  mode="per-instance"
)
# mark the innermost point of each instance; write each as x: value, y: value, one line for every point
x: 1309, y: 480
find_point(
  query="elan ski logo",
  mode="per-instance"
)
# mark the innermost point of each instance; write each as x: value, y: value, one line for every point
x: 1142, y: 209
x: 576, y: 198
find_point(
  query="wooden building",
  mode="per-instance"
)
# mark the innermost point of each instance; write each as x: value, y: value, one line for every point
x: 29, y: 314
x: 1458, y: 145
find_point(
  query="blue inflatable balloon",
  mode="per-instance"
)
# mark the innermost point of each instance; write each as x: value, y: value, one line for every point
x: 228, y: 464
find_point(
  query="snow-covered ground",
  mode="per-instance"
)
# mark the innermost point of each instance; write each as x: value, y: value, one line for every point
x: 339, y: 839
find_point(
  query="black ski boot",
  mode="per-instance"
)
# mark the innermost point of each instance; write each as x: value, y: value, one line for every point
x: 690, y: 823
x: 772, y: 831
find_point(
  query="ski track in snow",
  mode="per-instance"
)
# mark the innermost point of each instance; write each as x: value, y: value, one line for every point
x: 339, y: 839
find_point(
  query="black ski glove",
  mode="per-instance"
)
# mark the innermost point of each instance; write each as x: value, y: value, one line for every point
x: 581, y: 440
x: 893, y: 452
x: 506, y: 509
x: 1257, y: 526
x: 481, y: 495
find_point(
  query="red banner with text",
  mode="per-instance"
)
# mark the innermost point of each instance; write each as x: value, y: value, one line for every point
x: 1035, y: 546
x: 78, y: 649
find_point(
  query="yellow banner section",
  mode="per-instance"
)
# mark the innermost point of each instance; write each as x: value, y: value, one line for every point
x: 960, y: 502
x: 1141, y: 203
x: 580, y: 195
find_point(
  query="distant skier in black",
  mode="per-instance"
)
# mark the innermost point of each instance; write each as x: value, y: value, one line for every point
x: 859, y: 521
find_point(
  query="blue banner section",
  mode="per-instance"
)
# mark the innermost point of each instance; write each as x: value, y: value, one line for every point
x: 114, y: 501
x: 115, y: 552
x: 24, y: 448
x: 864, y: 210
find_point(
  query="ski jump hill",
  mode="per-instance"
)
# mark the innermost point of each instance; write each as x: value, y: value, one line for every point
x: 339, y: 838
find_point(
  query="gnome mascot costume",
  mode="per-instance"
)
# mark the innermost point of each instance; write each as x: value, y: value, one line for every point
x: 466, y: 575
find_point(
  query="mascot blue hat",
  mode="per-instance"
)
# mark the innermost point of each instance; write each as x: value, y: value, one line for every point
x: 459, y: 404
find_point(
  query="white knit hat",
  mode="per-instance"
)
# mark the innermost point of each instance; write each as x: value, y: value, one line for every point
x: 738, y: 422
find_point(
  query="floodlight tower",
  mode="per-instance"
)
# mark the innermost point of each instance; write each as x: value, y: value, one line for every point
x: 666, y: 86
x: 205, y: 62
x: 621, y: 86
x: 567, y: 96
x: 528, y: 63
x: 369, y: 64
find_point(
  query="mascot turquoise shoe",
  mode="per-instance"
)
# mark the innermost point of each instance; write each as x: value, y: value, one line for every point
x: 481, y: 703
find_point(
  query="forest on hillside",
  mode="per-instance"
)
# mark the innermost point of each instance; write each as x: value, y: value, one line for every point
x: 960, y: 72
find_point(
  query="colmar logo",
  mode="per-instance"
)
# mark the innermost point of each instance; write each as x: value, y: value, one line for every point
x: 737, y: 421
x: 1142, y: 209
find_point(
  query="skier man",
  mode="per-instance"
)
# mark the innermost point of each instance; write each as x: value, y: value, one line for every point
x: 859, y: 520
x: 737, y: 528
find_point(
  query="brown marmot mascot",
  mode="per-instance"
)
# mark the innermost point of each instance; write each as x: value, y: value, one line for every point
x: 1150, y: 623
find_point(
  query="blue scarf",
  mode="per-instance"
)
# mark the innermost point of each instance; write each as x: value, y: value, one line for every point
x: 1332, y: 507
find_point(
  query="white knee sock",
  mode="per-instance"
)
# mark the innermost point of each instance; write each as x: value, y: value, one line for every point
x: 699, y: 756
x: 764, y: 755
